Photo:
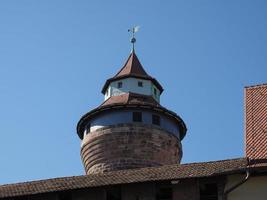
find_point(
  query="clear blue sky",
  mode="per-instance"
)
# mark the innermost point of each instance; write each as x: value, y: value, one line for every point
x: 56, y: 55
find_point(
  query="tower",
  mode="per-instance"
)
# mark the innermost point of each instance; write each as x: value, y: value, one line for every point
x: 130, y: 129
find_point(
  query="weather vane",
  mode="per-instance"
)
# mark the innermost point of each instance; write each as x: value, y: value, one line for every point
x: 133, y: 31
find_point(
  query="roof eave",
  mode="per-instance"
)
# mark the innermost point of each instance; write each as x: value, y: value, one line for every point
x: 153, y: 80
x: 87, y: 116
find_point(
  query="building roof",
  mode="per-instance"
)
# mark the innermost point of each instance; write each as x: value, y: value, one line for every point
x: 132, y: 68
x: 130, y: 100
x: 255, y: 121
x: 163, y: 173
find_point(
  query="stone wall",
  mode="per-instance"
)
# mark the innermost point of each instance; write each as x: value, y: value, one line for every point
x: 129, y: 146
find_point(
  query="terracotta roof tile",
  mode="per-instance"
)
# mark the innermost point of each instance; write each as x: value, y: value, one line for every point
x: 168, y: 172
x: 256, y: 121
x: 130, y: 98
x: 132, y: 68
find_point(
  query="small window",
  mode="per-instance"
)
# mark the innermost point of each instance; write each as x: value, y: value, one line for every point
x: 137, y: 116
x: 156, y: 120
x: 208, y: 191
x: 140, y: 84
x: 119, y: 84
x: 155, y: 91
x: 65, y: 196
x: 164, y: 192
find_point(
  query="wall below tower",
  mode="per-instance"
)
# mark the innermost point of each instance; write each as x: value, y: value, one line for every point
x: 127, y: 146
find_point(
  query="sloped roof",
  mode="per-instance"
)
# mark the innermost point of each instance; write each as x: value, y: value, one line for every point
x: 256, y: 121
x: 132, y: 68
x: 130, y: 100
x: 167, y: 172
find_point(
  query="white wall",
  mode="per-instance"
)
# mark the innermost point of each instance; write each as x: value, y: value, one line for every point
x: 125, y: 116
x: 254, y: 188
x: 131, y: 85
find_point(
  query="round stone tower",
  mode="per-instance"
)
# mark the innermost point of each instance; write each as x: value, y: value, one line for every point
x: 130, y: 129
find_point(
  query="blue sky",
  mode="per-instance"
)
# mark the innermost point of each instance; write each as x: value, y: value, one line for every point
x: 56, y: 55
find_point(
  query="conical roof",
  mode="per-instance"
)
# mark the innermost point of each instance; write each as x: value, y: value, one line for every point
x: 132, y: 68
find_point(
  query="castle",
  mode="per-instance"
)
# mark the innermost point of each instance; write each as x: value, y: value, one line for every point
x: 131, y: 150
x: 130, y: 129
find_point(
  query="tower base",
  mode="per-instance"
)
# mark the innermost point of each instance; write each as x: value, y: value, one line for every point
x: 128, y: 146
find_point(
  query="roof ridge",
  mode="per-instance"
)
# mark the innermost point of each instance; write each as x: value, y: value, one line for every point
x: 256, y: 86
x: 124, y: 64
x: 132, y: 67
x: 121, y: 171
x: 126, y: 176
x: 216, y: 161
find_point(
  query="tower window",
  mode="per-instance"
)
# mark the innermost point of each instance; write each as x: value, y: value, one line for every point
x: 156, y: 120
x: 119, y: 84
x: 137, y: 116
x: 155, y: 91
x: 140, y: 84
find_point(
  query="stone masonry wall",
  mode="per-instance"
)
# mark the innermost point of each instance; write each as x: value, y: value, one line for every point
x: 129, y: 146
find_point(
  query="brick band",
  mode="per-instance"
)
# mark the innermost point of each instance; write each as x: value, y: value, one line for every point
x: 128, y: 146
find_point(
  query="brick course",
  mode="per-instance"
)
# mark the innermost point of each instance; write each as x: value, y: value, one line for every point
x: 127, y: 146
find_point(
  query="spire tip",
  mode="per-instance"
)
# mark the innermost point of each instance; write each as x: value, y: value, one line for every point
x: 133, y: 39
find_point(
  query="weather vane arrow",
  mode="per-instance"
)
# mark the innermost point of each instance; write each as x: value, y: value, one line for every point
x: 133, y: 31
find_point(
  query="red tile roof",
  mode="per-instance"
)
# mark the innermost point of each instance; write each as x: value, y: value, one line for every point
x: 168, y: 172
x: 256, y: 121
x: 132, y: 68
x: 130, y: 100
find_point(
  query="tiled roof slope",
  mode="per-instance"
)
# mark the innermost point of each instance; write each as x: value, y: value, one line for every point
x: 168, y: 172
x: 130, y: 100
x: 256, y: 121
x: 132, y: 68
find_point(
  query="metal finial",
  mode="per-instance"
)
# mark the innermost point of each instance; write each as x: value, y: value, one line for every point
x: 133, y: 31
